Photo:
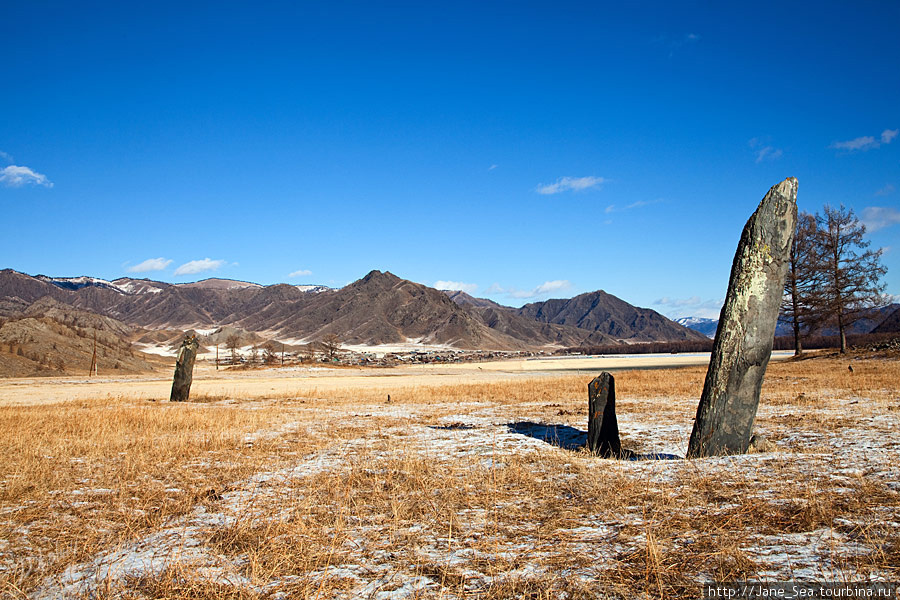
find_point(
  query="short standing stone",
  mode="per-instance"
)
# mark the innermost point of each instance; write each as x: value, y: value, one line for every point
x: 184, y: 370
x: 746, y: 329
x: 603, y: 429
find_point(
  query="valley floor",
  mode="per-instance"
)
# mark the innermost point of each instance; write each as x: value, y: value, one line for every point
x: 302, y: 379
x: 464, y: 485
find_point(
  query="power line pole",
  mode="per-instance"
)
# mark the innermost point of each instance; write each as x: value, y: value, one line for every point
x: 93, y: 370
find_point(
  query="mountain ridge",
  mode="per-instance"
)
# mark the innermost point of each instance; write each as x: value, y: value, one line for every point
x: 379, y: 308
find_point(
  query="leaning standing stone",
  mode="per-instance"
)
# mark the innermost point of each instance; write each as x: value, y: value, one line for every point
x: 603, y: 429
x: 184, y: 370
x: 746, y: 329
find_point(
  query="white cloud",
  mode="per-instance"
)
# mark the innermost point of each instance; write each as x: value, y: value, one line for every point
x: 151, y: 264
x: 675, y: 308
x: 641, y: 203
x: 768, y: 153
x: 300, y: 273
x: 552, y: 286
x: 492, y: 167
x: 458, y: 286
x: 546, y: 288
x: 565, y: 184
x: 879, y: 217
x: 765, y: 150
x: 678, y: 302
x: 886, y: 190
x: 7, y: 157
x: 866, y: 142
x: 199, y: 266
x: 674, y: 43
x: 16, y: 176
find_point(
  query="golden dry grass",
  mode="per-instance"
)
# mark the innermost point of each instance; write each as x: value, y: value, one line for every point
x: 328, y: 497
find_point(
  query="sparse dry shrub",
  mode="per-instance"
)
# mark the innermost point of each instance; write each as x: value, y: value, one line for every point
x: 379, y: 497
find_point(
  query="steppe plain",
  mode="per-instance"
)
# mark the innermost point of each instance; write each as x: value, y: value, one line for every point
x: 306, y: 482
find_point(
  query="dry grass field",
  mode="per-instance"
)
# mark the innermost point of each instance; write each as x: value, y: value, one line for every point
x: 451, y: 490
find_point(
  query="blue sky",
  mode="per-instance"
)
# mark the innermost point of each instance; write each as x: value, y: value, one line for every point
x: 518, y: 151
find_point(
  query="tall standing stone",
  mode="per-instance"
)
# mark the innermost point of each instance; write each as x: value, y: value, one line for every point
x: 603, y: 429
x: 184, y: 370
x: 746, y: 329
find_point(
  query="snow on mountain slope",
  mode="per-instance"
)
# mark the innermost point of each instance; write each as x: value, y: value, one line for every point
x: 705, y: 326
x: 77, y: 283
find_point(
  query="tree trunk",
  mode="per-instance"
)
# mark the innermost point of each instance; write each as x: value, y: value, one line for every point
x: 746, y: 329
x: 798, y: 344
x: 842, y: 332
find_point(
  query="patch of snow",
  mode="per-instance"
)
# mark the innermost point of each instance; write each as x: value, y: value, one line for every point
x: 158, y: 349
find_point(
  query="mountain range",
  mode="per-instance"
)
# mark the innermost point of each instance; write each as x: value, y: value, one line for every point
x: 380, y: 308
x: 885, y: 319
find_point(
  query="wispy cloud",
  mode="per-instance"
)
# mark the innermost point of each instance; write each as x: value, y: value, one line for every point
x: 300, y: 273
x: 768, y: 153
x: 458, y: 286
x: 639, y: 204
x: 151, y: 264
x: 566, y: 184
x: 695, y: 306
x: 880, y: 217
x: 887, y: 190
x: 199, y: 266
x: 6, y: 157
x: 492, y: 167
x: 546, y: 288
x: 764, y: 150
x: 549, y: 287
x: 674, y: 43
x: 16, y: 176
x: 866, y: 142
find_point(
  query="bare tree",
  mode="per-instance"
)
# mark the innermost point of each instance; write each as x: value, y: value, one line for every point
x: 307, y: 353
x: 330, y: 345
x: 851, y: 286
x: 802, y: 302
x: 270, y: 357
x: 233, y: 342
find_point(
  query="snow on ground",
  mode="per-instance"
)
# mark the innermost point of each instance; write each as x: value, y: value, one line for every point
x: 157, y: 349
x: 484, y: 435
x: 411, y: 345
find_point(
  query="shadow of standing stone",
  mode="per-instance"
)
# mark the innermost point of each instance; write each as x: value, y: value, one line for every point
x: 184, y: 370
x: 603, y: 429
x: 746, y: 329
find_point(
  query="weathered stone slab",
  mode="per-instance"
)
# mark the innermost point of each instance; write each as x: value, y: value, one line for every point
x: 746, y: 330
x: 184, y: 370
x: 603, y: 429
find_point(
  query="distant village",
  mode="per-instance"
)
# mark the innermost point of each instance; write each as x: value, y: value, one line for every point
x: 265, y: 357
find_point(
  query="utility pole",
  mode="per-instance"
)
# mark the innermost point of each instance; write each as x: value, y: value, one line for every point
x: 93, y: 370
